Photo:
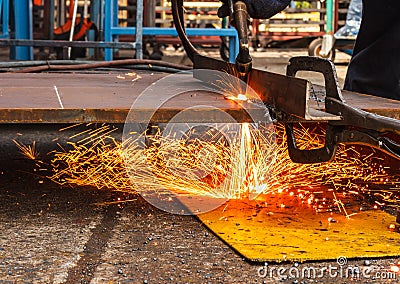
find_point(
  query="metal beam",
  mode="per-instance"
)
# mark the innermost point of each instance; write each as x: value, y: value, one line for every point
x: 66, y: 43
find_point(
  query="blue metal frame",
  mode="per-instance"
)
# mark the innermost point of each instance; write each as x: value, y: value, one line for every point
x: 112, y: 31
x: 23, y: 29
x: 96, y: 16
x: 108, y: 25
x: 4, y: 10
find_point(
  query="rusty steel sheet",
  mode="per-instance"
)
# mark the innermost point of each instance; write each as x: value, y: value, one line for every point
x: 81, y: 98
x: 76, y: 98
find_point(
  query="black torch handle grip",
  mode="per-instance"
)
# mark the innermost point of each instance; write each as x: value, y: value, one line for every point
x: 243, y: 60
x: 240, y: 20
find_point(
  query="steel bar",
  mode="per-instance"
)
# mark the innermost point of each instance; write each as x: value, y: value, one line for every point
x: 139, y: 29
x: 91, y: 65
x: 65, y: 43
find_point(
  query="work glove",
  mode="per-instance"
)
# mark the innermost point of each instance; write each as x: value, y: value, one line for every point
x: 257, y: 9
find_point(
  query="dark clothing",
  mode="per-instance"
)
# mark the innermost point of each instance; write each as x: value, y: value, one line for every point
x: 265, y: 9
x: 258, y: 9
x: 375, y: 66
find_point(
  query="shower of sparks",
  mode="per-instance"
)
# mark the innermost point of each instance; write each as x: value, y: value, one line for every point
x: 255, y: 164
x: 29, y: 151
x: 95, y: 160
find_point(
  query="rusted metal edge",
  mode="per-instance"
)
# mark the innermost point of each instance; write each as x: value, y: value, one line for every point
x: 54, y: 115
x: 34, y: 115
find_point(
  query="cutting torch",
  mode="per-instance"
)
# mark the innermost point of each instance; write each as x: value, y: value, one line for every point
x: 288, y: 97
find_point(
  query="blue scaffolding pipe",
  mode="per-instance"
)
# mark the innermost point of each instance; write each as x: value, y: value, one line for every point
x: 154, y: 31
x: 4, y: 10
x: 172, y: 31
x: 108, y: 25
x: 23, y: 29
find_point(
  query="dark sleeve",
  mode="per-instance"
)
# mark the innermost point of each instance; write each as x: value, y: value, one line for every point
x: 265, y: 9
x: 375, y: 66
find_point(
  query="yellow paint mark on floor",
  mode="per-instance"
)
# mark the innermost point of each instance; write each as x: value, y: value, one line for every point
x: 268, y: 231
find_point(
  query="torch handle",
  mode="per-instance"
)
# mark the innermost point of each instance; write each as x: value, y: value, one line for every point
x: 243, y: 59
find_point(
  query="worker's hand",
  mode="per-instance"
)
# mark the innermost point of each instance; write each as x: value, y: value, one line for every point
x: 257, y: 9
